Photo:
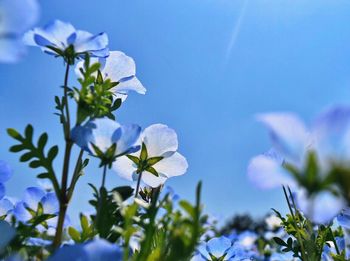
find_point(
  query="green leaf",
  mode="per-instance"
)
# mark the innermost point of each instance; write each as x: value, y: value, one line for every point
x: 188, y: 208
x: 153, y: 171
x: 279, y: 241
x: 14, y: 134
x: 42, y: 141
x: 74, y: 234
x: 153, y: 160
x: 29, y: 132
x: 124, y: 191
x: 144, y: 154
x: 26, y: 156
x: 134, y: 159
x: 52, y: 153
x: 17, y: 148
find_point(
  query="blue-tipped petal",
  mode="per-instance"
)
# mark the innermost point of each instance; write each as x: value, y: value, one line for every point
x: 218, y: 246
x: 6, y: 207
x: 5, y: 171
x: 288, y: 133
x: 344, y: 218
x: 21, y: 213
x: 332, y: 135
x: 42, y: 41
x: 321, y: 208
x: 82, y: 136
x: 96, y: 250
x: 87, y: 42
x: 2, y: 190
x: 266, y: 172
x: 32, y: 197
x: 50, y: 203
x: 130, y: 134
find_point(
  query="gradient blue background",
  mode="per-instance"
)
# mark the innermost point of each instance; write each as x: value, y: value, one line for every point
x: 209, y: 66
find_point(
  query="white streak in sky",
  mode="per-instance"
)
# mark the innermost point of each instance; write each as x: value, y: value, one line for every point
x: 235, y: 31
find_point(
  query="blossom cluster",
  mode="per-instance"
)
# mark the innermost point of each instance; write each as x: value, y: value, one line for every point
x: 148, y: 220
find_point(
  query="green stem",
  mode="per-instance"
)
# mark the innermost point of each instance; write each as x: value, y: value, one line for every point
x: 295, y: 223
x: 67, y: 121
x: 76, y: 175
x: 334, y: 241
x: 63, y: 200
x: 138, y: 185
x: 104, y: 176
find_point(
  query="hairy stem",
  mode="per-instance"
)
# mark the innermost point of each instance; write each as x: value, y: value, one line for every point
x: 63, y: 200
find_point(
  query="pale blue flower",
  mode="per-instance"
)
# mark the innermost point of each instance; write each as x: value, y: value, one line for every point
x: 321, y: 207
x: 120, y: 68
x: 103, y: 133
x: 221, y: 248
x: 344, y: 218
x: 5, y: 175
x: 34, y: 196
x: 6, y: 207
x: 328, y: 138
x: 58, y: 37
x: 16, y: 17
x: 160, y: 141
x: 96, y: 250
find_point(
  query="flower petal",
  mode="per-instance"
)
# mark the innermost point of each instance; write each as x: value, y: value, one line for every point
x: 320, y: 208
x: 175, y: 165
x: 159, y: 139
x: 21, y: 213
x: 129, y: 84
x: 332, y: 135
x: 87, y: 42
x: 5, y: 171
x: 289, y: 135
x: 266, y: 172
x: 118, y: 66
x: 218, y: 246
x: 100, y: 249
x: 50, y: 203
x: 129, y: 135
x: 124, y: 167
x: 32, y: 197
x: 5, y: 206
x: 152, y: 180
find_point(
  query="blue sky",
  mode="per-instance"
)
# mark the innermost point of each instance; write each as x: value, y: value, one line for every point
x: 209, y: 67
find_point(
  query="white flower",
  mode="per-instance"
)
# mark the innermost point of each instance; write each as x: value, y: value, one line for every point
x: 162, y: 160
